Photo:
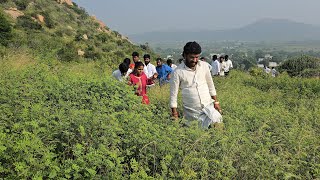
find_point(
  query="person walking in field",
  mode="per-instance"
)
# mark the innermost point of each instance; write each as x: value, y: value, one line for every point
x: 136, y: 58
x: 121, y: 73
x: 203, y: 59
x: 152, y: 72
x: 139, y: 80
x: 215, y: 66
x: 199, y: 95
x: 170, y: 64
x: 223, y: 65
x: 228, y: 65
x: 164, y: 72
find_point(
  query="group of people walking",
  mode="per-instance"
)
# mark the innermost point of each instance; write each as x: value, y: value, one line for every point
x: 192, y: 76
x: 142, y: 75
x: 221, y: 66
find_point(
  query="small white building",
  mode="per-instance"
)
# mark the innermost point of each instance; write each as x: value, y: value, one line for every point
x: 273, y: 64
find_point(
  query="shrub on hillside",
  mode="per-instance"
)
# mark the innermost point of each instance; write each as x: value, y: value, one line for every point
x: 28, y: 23
x: 22, y: 4
x: 296, y: 65
x: 5, y: 30
x: 92, y: 53
x: 102, y: 37
x: 259, y: 72
x: 80, y: 11
x: 311, y: 73
x: 48, y: 20
x: 68, y: 53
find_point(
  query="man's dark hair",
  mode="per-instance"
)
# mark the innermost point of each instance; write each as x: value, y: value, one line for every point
x: 146, y: 56
x: 159, y: 59
x: 192, y: 48
x: 123, y: 67
x: 226, y: 57
x: 138, y: 64
x: 214, y: 57
x: 135, y: 54
x: 127, y: 61
x: 169, y: 61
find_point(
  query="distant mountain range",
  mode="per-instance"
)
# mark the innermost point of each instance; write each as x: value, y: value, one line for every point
x: 262, y: 30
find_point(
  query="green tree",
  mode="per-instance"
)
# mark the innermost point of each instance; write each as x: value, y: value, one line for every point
x: 297, y: 65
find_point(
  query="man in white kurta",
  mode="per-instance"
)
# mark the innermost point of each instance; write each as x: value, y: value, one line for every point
x: 199, y: 97
x: 215, y: 66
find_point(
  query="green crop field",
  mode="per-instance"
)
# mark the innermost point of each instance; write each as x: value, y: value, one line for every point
x: 73, y: 121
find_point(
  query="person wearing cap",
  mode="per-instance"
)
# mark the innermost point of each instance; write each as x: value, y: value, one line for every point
x: 199, y: 95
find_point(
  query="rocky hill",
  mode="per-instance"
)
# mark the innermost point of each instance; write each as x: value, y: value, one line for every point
x: 60, y: 29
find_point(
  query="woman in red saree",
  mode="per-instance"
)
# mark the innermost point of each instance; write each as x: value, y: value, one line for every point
x: 140, y: 81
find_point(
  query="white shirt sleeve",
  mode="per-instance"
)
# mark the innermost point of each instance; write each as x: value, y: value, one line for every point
x: 174, y: 89
x: 212, y: 89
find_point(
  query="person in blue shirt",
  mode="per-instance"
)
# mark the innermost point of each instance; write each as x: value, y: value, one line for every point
x: 163, y: 71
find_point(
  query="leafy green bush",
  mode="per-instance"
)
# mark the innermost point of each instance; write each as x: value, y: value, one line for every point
x: 80, y: 11
x: 314, y: 72
x: 22, y: 4
x: 5, y: 30
x: 92, y: 53
x: 296, y: 65
x: 28, y: 23
x: 68, y: 53
x: 76, y: 123
x: 103, y: 37
x: 48, y: 20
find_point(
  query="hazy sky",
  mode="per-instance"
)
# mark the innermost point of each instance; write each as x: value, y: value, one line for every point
x: 136, y: 16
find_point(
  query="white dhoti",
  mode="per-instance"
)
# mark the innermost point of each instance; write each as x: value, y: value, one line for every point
x: 205, y: 116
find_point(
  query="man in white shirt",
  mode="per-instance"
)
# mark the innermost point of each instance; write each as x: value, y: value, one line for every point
x: 152, y: 72
x: 215, y: 71
x: 267, y: 69
x: 150, y: 67
x: 198, y: 92
x: 205, y: 60
x: 274, y: 72
x: 170, y: 64
x: 228, y: 65
x: 122, y: 73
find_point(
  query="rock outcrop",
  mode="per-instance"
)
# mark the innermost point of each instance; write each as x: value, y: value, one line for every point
x: 40, y: 18
x: 69, y: 2
x: 80, y: 52
x: 14, y: 12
